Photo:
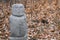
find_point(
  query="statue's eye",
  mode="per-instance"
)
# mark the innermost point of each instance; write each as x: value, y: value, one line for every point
x: 21, y: 7
x: 15, y: 7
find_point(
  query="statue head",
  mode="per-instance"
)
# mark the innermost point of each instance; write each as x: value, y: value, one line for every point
x: 18, y: 9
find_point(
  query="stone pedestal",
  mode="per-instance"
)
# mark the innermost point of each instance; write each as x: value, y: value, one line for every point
x: 18, y: 25
x: 18, y: 38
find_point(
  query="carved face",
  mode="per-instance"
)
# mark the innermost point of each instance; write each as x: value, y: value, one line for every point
x: 18, y: 9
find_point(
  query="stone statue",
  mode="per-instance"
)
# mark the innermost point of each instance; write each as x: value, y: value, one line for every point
x: 18, y: 25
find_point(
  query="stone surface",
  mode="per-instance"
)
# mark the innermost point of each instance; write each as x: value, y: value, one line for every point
x: 18, y: 9
x: 18, y: 25
x: 18, y: 38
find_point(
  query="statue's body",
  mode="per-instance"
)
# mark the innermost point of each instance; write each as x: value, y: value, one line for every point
x: 18, y: 25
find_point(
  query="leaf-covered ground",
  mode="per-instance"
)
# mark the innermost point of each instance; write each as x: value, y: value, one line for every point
x: 43, y: 19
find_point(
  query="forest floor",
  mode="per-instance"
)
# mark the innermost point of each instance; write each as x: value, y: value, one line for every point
x: 43, y: 19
